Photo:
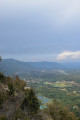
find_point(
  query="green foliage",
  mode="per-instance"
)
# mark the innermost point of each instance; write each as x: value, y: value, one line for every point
x: 16, y: 102
x: 11, y: 89
x: 20, y: 115
x: 54, y: 85
x: 3, y: 117
x: 2, y: 77
x: 25, y: 105
x: 30, y: 102
x: 58, y: 112
x: 19, y: 84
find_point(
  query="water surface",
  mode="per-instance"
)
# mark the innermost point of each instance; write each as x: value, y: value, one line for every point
x: 44, y: 101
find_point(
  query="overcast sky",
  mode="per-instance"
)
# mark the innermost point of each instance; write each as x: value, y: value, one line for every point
x: 40, y: 30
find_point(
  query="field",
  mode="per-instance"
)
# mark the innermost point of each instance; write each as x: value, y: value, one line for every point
x: 62, y: 87
x: 61, y: 84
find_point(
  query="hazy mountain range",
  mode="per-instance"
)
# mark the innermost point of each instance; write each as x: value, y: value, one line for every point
x: 11, y: 66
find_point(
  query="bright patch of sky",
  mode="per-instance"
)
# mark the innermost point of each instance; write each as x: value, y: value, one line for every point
x: 69, y: 55
x: 40, y: 30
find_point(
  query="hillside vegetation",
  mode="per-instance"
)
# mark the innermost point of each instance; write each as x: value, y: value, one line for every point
x: 11, y: 66
x: 18, y: 102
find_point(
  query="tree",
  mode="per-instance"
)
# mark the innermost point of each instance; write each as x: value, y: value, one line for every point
x: 30, y: 102
x: 19, y: 84
x: 2, y: 77
x: 11, y: 89
x: 58, y: 112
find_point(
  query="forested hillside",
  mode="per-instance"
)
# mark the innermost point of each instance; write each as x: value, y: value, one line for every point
x: 19, y: 102
x: 12, y: 66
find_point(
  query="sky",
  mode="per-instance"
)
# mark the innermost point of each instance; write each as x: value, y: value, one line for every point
x: 40, y: 30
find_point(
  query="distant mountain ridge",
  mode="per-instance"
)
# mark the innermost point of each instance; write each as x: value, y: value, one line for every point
x: 11, y: 66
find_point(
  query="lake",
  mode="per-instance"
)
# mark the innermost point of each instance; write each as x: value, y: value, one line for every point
x: 44, y: 101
